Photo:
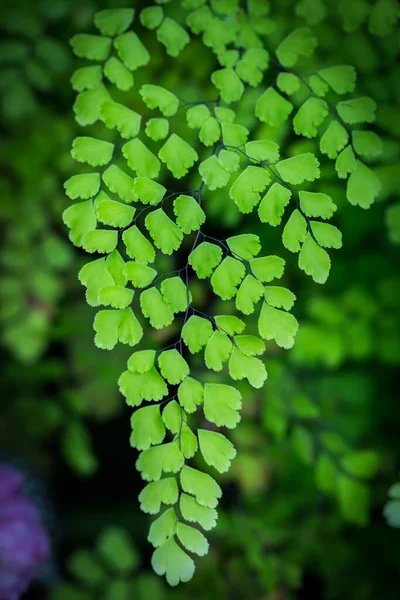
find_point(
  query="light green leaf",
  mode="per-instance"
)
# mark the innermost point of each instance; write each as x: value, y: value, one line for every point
x: 197, y: 115
x: 155, y: 308
x: 267, y: 268
x: 190, y: 394
x: 247, y: 188
x: 118, y: 116
x: 229, y: 161
x: 155, y: 96
x: 172, y: 417
x: 86, y: 78
x: 94, y: 275
x: 137, y: 246
x: 295, y: 231
x: 193, y: 512
x: 228, y: 84
x: 170, y: 560
x: 288, y: 83
x: 113, y: 213
x: 192, y: 539
x: 278, y: 325
x: 357, y: 110
x: 196, y: 333
x: 116, y: 266
x: 345, y: 162
x: 250, y: 345
x: 334, y: 139
x: 314, y: 260
x: 245, y: 246
x: 280, y: 297
x: 92, y: 47
x: 141, y: 361
x: 218, y: 350
x: 221, y: 404
x: 147, y: 427
x: 262, y: 150
x: 175, y: 294
x: 316, y: 204
x: 113, y: 21
x: 273, y: 204
x: 242, y: 366
x: 80, y: 218
x: 318, y: 86
x: 216, y: 449
x: 172, y: 36
x: 189, y: 215
x: 201, y: 485
x: 115, y: 296
x: 173, y: 366
x: 165, y: 233
x: 82, y: 186
x: 131, y: 51
x: 112, y: 326
x: 94, y: 152
x: 178, y: 156
x: 151, y: 17
x: 233, y: 135
x: 148, y: 191
x: 157, y: 129
x: 326, y: 235
x: 229, y: 324
x: 140, y: 275
x: 249, y: 293
x: 210, y: 132
x: 118, y: 74
x: 227, y: 276
x: 119, y: 183
x: 299, y: 42
x: 272, y: 108
x: 342, y: 79
x: 228, y: 58
x: 141, y: 159
x: 164, y: 491
x: 205, y: 258
x: 103, y: 241
x: 367, y: 143
x: 363, y: 186
x: 295, y: 170
x: 310, y: 116
x: 88, y: 105
x: 166, y: 458
x: 137, y: 387
x: 213, y: 174
x: 189, y: 444
x: 162, y: 528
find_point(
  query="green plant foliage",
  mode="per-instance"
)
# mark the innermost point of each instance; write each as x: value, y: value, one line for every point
x: 148, y: 213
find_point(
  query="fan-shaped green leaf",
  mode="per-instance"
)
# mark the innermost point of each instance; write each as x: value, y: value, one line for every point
x: 205, y: 258
x: 147, y: 427
x: 113, y: 21
x: 141, y: 361
x: 345, y: 162
x: 172, y: 36
x: 295, y: 231
x: 273, y: 204
x: 221, y: 404
x: 118, y: 74
x: 177, y: 155
x: 140, y: 275
x: 295, y: 170
x: 88, y: 105
x: 357, y: 110
x: 197, y: 115
x: 86, y: 78
x: 100, y: 240
x: 367, y: 143
x: 131, y: 51
x: 310, y: 116
x: 216, y: 449
x: 141, y: 159
x: 80, y: 218
x: 155, y: 308
x: 162, y: 528
x: 137, y: 387
x: 119, y: 183
x: 278, y: 325
x: 189, y: 215
x: 94, y: 152
x: 267, y: 268
x: 227, y: 276
x: 210, y: 132
x: 193, y: 512
x: 342, y: 79
x: 299, y: 42
x: 229, y: 161
x: 263, y: 150
x: 170, y: 560
x: 137, y: 246
x: 82, y: 186
x: 228, y: 84
x: 192, y: 539
x: 245, y: 246
x: 218, y: 350
x: 250, y: 345
x: 201, y: 485
x: 151, y: 17
x: 288, y: 83
x: 94, y: 275
x: 165, y: 233
x: 190, y: 394
x: 155, y: 96
x: 249, y: 293
x: 166, y: 458
x: 175, y: 294
x: 164, y: 491
x: 234, y: 135
x: 157, y: 129
x: 173, y: 366
x: 326, y: 235
x: 272, y: 108
x: 148, y: 191
x: 280, y: 297
x: 242, y: 366
x: 116, y: 266
x: 213, y: 173
x: 125, y: 120
x: 363, y: 186
x: 247, y: 188
x: 172, y: 416
x: 314, y: 260
x: 92, y: 47
x: 316, y: 204
x: 334, y: 139
x: 112, y: 326
x: 196, y: 332
x: 115, y: 296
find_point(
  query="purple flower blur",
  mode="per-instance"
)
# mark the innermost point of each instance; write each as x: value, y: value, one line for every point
x: 24, y: 543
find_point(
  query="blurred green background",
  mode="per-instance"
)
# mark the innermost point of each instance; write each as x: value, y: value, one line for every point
x: 294, y: 522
